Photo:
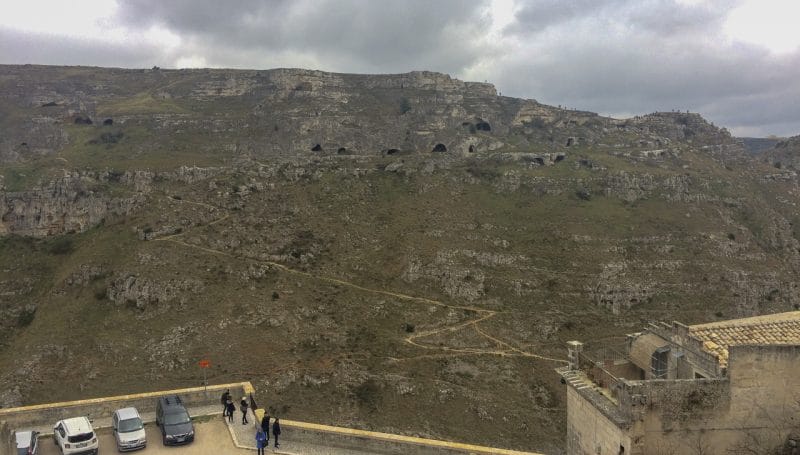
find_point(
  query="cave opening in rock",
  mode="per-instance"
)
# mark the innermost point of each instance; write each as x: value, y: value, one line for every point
x: 570, y: 141
x: 316, y: 148
x: 559, y: 158
x: 471, y: 149
x: 392, y: 151
x: 108, y: 122
x: 439, y: 148
x: 341, y: 151
x: 483, y: 126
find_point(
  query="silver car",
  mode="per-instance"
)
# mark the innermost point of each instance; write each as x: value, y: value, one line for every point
x: 27, y: 442
x: 128, y: 429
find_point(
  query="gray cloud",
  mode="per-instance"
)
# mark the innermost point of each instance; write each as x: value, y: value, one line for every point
x: 20, y: 47
x: 632, y: 57
x: 366, y: 35
x: 617, y: 57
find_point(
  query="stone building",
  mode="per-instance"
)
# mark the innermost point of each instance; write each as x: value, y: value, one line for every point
x: 726, y: 387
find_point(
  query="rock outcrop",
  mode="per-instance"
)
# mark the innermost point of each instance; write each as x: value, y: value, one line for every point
x: 71, y: 203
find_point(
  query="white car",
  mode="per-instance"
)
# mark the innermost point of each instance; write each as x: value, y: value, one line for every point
x: 128, y: 429
x: 75, y: 435
x: 27, y: 442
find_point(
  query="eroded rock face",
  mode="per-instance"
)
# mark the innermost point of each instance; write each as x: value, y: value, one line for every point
x: 131, y: 289
x: 66, y: 204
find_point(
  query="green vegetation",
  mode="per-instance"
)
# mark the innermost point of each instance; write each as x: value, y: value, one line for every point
x: 141, y: 103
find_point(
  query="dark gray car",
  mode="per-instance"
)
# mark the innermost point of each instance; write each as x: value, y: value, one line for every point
x: 174, y: 421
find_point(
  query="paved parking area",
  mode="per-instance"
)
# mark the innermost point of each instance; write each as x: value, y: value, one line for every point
x: 211, y: 438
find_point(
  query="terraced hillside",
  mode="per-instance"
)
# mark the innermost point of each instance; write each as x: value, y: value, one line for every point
x: 405, y: 253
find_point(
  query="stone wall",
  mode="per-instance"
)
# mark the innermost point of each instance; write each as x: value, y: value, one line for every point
x: 765, y: 393
x: 754, y: 410
x: 589, y: 430
x: 378, y: 443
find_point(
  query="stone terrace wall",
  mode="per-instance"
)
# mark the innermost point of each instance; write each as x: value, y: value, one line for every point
x: 675, y: 404
x: 754, y: 410
x: 379, y: 443
x: 589, y: 430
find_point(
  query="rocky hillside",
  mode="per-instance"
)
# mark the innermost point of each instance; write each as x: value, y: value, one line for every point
x: 784, y: 155
x: 362, y: 246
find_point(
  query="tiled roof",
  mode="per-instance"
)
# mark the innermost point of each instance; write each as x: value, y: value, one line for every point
x: 781, y: 328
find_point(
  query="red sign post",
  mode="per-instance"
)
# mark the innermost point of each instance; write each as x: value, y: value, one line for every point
x: 204, y: 364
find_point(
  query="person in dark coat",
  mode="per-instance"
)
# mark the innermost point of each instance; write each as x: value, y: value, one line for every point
x: 276, y: 430
x: 265, y: 426
x: 261, y: 441
x: 224, y: 400
x: 231, y: 408
x: 243, y: 406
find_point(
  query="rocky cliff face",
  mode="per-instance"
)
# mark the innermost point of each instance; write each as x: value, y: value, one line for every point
x: 785, y: 154
x: 72, y: 203
x: 67, y: 120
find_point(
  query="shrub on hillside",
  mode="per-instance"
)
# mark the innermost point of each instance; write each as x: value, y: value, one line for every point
x: 61, y: 246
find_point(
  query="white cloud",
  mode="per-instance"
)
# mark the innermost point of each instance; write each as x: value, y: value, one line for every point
x: 769, y: 23
x: 84, y: 19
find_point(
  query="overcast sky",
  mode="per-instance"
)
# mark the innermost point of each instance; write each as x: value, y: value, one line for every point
x: 737, y: 62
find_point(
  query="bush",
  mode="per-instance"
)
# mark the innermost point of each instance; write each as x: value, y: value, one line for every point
x: 26, y: 317
x: 61, y: 246
x: 584, y: 194
x: 367, y: 394
x: 405, y: 105
x: 538, y: 122
x: 100, y: 294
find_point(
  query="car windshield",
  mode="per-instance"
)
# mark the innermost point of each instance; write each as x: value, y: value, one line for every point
x: 126, y: 426
x: 81, y: 437
x: 176, y: 418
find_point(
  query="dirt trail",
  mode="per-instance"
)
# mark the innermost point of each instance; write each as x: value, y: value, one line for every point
x: 502, y: 348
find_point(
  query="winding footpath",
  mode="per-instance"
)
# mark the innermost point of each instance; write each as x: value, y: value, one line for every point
x: 501, y: 348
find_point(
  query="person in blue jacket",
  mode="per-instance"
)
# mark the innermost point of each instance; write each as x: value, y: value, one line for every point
x: 261, y: 441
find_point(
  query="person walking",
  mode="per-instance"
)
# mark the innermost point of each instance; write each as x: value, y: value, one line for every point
x: 231, y: 409
x: 276, y: 431
x: 224, y: 400
x: 265, y: 426
x: 243, y: 406
x: 261, y: 441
